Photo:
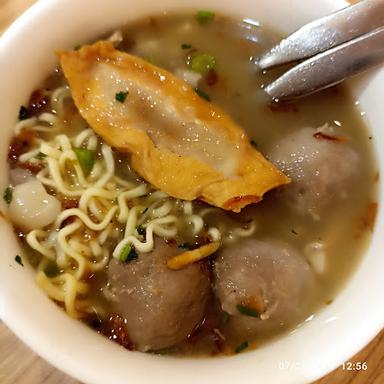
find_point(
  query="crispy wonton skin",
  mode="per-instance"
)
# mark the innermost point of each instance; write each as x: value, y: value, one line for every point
x: 180, y: 143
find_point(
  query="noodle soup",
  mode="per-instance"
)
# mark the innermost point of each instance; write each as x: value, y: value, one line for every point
x: 102, y: 238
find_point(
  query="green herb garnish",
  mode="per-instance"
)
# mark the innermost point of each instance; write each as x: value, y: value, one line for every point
x: 244, y: 345
x: 7, y: 195
x: 19, y: 260
x: 253, y: 143
x: 41, y: 156
x: 24, y: 113
x: 164, y: 351
x: 121, y: 96
x: 224, y: 317
x: 128, y: 254
x: 140, y: 230
x: 85, y: 157
x: 52, y: 270
x: 144, y: 211
x: 202, y: 63
x: 151, y: 60
x: 202, y: 94
x: 244, y: 310
x: 186, y: 46
x: 185, y: 246
x: 203, y: 16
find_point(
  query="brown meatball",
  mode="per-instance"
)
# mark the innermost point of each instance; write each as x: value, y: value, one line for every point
x: 161, y: 306
x: 320, y: 169
x: 261, y: 284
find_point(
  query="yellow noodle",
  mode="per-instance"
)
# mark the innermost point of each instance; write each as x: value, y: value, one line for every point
x: 49, y: 118
x: 29, y: 156
x: 95, y: 248
x: 144, y: 247
x: 42, y: 264
x: 102, y: 238
x: 82, y: 263
x: 84, y: 249
x: 141, y: 190
x: 33, y: 240
x: 25, y: 124
x: 57, y: 99
x: 95, y: 192
x: 132, y: 221
x: 197, y: 223
x: 97, y: 171
x: 214, y: 234
x: 97, y: 208
x: 64, y: 142
x: 50, y: 151
x: 85, y: 219
x: 163, y: 209
x: 101, y: 264
x: 69, y: 156
x: 86, y: 135
x: 187, y: 208
x: 53, y: 291
x: 123, y: 183
x: 110, y: 166
x: 59, y: 184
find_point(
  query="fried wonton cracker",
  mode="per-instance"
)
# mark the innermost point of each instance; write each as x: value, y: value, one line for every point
x: 180, y: 143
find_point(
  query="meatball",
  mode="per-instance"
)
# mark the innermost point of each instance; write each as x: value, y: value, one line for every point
x: 161, y: 306
x: 32, y: 207
x: 261, y: 284
x: 320, y: 169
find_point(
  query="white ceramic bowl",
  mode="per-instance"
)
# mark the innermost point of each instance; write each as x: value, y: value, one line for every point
x: 335, y: 334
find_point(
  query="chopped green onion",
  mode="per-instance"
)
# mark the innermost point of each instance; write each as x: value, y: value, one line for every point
x: 52, y: 270
x: 85, y: 157
x: 151, y: 60
x: 253, y: 143
x: 24, y: 113
x: 19, y: 260
x: 7, y: 195
x: 202, y: 62
x: 202, y: 94
x: 203, y: 17
x: 144, y: 211
x: 244, y: 345
x: 41, y: 156
x: 121, y: 96
x: 224, y: 318
x: 186, y: 46
x: 244, y: 310
x: 128, y: 254
x: 185, y: 246
x: 140, y: 230
x: 164, y: 351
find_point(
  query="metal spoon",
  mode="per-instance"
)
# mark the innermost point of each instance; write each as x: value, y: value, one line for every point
x: 338, y: 46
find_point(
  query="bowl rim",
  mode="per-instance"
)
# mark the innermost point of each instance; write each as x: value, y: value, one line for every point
x: 65, y: 360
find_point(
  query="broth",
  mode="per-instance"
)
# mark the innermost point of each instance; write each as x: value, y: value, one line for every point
x: 339, y: 234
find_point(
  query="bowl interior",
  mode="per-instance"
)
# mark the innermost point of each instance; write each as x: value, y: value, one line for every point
x: 26, y: 58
